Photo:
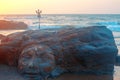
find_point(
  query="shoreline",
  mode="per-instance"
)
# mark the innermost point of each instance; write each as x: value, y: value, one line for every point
x: 7, y: 32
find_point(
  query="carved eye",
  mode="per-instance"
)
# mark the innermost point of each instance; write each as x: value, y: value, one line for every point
x: 27, y: 55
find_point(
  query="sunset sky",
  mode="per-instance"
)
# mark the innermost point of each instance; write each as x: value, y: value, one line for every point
x: 60, y: 6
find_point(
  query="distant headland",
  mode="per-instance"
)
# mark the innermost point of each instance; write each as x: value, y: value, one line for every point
x: 12, y: 25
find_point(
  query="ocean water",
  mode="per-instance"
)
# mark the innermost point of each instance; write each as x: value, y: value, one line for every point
x: 112, y: 21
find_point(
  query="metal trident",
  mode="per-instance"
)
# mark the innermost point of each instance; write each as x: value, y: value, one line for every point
x: 38, y: 12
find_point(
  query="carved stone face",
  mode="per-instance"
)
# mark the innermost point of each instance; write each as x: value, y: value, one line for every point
x: 36, y: 62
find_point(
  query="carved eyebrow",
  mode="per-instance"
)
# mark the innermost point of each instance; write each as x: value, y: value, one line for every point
x: 36, y: 50
x: 28, y: 50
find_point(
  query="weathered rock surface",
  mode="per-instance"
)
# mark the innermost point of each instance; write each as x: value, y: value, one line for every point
x: 6, y: 25
x: 90, y: 50
x: 1, y: 36
x: 117, y: 61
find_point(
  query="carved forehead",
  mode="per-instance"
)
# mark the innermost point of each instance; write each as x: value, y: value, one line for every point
x: 37, y: 48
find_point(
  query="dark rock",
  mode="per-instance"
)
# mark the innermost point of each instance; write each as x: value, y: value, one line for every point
x: 7, y: 55
x: 117, y: 60
x: 6, y: 25
x: 1, y: 36
x: 90, y: 50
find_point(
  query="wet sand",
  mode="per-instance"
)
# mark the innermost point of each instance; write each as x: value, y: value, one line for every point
x: 10, y: 73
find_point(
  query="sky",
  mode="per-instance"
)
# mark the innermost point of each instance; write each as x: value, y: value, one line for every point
x: 60, y: 6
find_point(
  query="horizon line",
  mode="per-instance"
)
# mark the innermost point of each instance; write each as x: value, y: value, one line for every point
x: 66, y: 14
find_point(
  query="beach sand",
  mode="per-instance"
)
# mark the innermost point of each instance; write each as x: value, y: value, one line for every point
x: 10, y: 73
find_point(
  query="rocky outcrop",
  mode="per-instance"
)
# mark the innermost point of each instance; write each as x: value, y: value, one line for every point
x: 6, y: 25
x: 90, y: 50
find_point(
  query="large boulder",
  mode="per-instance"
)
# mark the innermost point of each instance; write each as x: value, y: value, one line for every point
x: 6, y: 25
x: 90, y: 50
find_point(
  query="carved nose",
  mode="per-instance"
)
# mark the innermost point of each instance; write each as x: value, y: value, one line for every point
x: 31, y: 64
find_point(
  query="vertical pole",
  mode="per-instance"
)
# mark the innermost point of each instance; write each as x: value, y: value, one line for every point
x: 38, y: 12
x: 39, y: 23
